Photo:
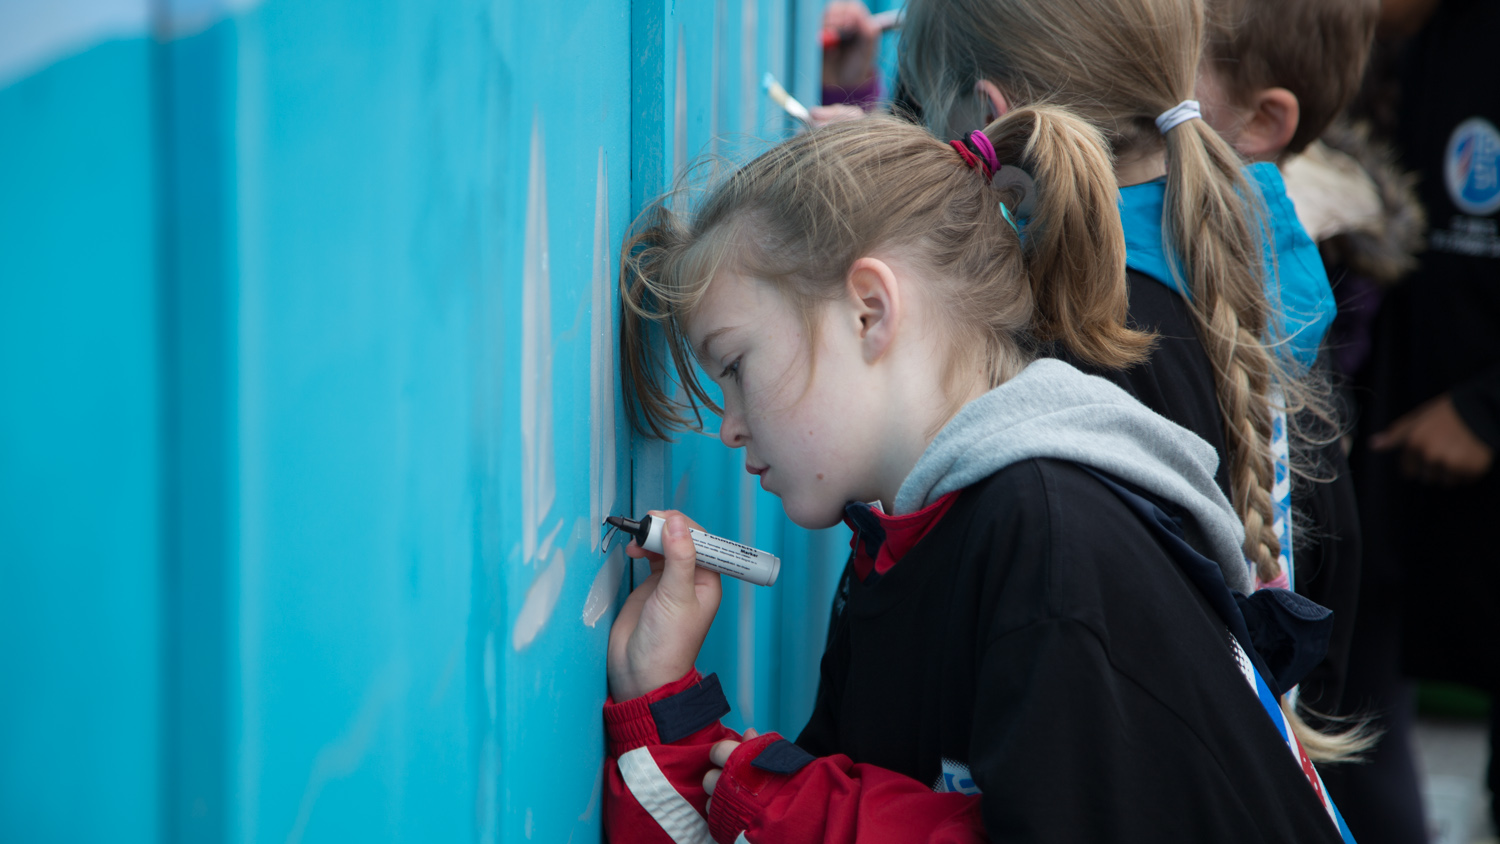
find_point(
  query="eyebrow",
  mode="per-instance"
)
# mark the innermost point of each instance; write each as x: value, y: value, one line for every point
x: 708, y: 340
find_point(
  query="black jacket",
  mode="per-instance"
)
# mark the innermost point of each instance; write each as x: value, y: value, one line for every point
x: 1177, y: 381
x: 1041, y: 637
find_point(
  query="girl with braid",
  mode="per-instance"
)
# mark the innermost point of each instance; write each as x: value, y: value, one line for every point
x: 1038, y: 639
x: 1236, y: 327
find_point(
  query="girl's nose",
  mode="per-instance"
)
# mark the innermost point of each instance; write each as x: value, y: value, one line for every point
x: 732, y: 430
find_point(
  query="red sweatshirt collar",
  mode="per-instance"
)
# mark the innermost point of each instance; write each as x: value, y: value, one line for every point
x: 881, y: 540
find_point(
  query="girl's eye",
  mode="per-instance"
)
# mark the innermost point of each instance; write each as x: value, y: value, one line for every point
x: 733, y: 369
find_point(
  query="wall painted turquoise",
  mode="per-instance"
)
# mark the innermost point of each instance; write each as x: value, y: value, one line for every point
x: 80, y: 454
x: 307, y: 320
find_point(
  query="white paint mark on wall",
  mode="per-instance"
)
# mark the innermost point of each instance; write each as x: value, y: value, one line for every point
x: 491, y: 693
x: 530, y: 823
x: 745, y: 645
x: 715, y: 129
x: 606, y: 586
x: 485, y: 785
x: 541, y: 599
x: 343, y: 756
x: 538, y: 486
x: 745, y: 674
x: 545, y: 548
x: 776, y: 52
x: 683, y: 489
x: 602, y: 364
x: 189, y: 17
x: 679, y: 117
x: 749, y: 78
x: 747, y: 509
x: 36, y: 33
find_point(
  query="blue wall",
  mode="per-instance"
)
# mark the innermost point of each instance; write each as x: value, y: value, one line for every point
x: 311, y: 409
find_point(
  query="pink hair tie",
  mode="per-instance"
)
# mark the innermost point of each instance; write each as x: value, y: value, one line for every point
x: 982, y: 144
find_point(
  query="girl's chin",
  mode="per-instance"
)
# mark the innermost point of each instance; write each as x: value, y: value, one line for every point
x: 812, y: 515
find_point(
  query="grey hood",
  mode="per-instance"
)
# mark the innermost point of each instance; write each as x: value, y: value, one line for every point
x: 1053, y: 410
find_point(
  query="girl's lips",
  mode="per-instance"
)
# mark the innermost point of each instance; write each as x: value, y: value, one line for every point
x: 756, y: 470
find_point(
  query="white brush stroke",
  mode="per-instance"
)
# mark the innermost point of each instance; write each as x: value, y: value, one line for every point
x: 588, y: 811
x: 541, y: 599
x: 714, y: 129
x: 602, y: 363
x: 189, y: 17
x: 485, y: 783
x: 545, y: 548
x: 679, y: 117
x: 344, y: 755
x: 606, y: 586
x: 35, y: 33
x: 38, y: 33
x: 745, y: 647
x: 538, y: 485
x: 749, y: 79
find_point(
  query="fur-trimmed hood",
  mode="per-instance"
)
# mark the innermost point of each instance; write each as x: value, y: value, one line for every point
x: 1360, y: 207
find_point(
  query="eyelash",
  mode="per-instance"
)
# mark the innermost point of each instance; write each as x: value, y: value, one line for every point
x: 732, y: 369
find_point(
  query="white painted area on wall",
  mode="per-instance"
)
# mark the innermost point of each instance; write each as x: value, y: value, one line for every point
x: 36, y: 33
x: 679, y: 112
x: 745, y: 632
x: 538, y: 479
x: 606, y: 585
x: 541, y: 599
x: 602, y: 364
x: 187, y: 17
x: 749, y: 79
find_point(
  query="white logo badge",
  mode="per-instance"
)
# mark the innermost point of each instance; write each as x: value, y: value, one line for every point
x: 955, y: 779
x: 1471, y: 167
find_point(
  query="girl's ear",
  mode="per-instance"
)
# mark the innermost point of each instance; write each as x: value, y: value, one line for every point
x: 997, y: 106
x: 875, y: 294
x: 1274, y: 113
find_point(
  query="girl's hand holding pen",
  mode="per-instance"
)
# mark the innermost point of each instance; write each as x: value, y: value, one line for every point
x: 657, y: 636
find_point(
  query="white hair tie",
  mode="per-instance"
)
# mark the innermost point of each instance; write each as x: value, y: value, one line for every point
x: 1177, y: 115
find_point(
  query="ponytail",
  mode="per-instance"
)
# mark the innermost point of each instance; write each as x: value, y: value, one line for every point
x: 1075, y: 245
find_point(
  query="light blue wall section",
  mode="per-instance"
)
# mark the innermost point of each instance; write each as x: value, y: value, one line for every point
x: 311, y: 409
x: 80, y: 452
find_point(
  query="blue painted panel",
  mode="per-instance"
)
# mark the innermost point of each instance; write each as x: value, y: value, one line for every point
x: 309, y: 430
x: 418, y: 208
x: 80, y: 537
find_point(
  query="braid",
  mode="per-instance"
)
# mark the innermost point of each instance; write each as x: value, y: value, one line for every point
x: 1208, y: 216
x: 1243, y: 388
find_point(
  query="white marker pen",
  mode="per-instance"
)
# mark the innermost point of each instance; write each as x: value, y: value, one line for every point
x: 715, y: 553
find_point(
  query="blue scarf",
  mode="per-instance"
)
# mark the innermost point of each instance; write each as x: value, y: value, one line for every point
x: 1296, y: 278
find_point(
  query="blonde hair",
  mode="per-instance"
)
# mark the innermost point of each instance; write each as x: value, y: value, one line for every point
x: 802, y: 213
x: 1119, y: 64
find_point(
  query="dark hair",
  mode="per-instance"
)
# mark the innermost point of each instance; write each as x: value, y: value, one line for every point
x: 1314, y: 48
